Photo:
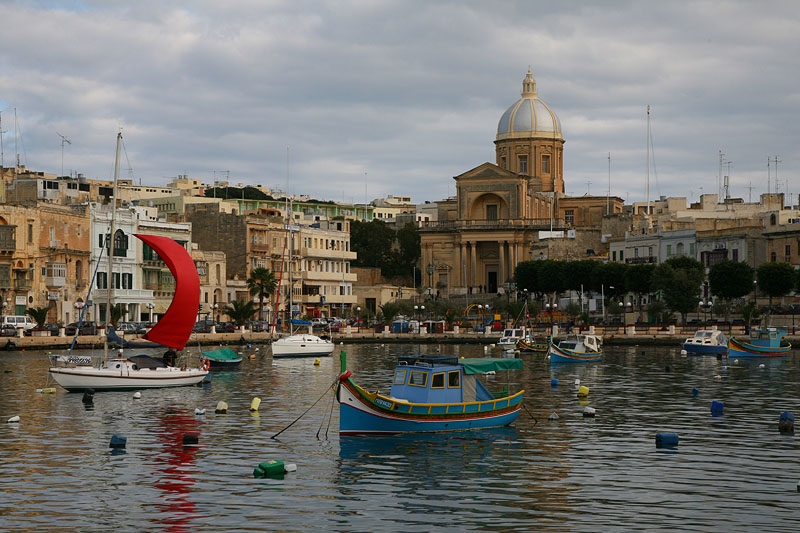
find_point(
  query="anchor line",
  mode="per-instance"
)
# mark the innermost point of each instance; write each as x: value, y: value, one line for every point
x: 328, y: 389
x: 330, y: 417
x: 535, y: 422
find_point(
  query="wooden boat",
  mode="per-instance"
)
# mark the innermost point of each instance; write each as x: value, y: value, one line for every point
x: 222, y: 358
x: 578, y: 348
x: 429, y: 393
x: 532, y: 345
x: 706, y: 342
x: 763, y: 342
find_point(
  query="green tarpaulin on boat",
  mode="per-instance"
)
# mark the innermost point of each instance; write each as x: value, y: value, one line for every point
x: 486, y: 364
x: 223, y: 354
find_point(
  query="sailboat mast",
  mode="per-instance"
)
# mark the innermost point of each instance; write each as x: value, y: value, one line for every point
x: 648, y: 159
x: 110, y: 238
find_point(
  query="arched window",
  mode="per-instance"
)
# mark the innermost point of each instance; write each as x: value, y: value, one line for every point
x: 120, y: 244
x: 680, y: 248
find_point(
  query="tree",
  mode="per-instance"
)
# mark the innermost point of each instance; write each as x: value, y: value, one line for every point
x: 390, y: 310
x: 730, y: 279
x: 240, y: 311
x: 679, y: 281
x: 611, y: 277
x: 526, y: 275
x: 775, y: 279
x: 38, y: 314
x: 262, y: 282
x: 551, y: 277
x: 118, y: 312
x: 581, y: 275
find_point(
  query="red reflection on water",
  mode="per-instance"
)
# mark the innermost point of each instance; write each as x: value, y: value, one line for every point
x: 178, y: 475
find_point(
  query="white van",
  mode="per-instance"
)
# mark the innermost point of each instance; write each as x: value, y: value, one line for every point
x: 18, y: 321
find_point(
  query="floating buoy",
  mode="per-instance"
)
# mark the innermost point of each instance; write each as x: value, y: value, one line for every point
x: 553, y: 416
x: 718, y: 377
x: 786, y: 423
x: 554, y: 382
x: 724, y: 367
x: 13, y: 419
x: 695, y: 392
x: 249, y: 345
x: 664, y: 440
x: 684, y: 352
x: 291, y: 467
x: 667, y: 369
x: 88, y: 396
x: 255, y: 403
x: 190, y: 439
x: 199, y: 411
x: 272, y: 469
x: 762, y: 365
x: 577, y: 382
x: 117, y: 441
x: 256, y: 348
x: 589, y: 412
x: 316, y: 362
x: 583, y: 391
x: 239, y: 353
x: 716, y: 408
x: 137, y: 395
x: 222, y: 407
x: 48, y: 390
x: 274, y: 363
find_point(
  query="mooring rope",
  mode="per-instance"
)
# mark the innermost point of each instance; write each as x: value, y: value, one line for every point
x: 328, y: 389
x: 530, y: 415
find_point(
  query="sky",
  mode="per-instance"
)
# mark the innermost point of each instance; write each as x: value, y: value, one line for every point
x: 355, y: 100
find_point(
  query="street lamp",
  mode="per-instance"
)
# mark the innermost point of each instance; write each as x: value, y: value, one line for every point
x: 416, y: 312
x: 150, y: 307
x: 706, y: 306
x: 429, y: 269
x: 215, y: 306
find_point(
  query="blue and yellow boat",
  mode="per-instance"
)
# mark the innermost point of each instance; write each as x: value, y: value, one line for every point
x: 763, y: 342
x: 429, y: 393
x: 578, y: 348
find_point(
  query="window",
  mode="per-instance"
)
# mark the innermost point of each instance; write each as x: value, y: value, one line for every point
x: 773, y: 257
x: 622, y: 255
x: 102, y: 280
x: 680, y: 248
x: 650, y: 251
x: 454, y: 379
x: 614, y: 255
x: 569, y: 216
x: 437, y: 381
x: 523, y: 164
x: 418, y: 379
x: 788, y: 252
x: 545, y: 164
x: 691, y: 249
x: 735, y: 253
x: 669, y: 250
x: 491, y: 212
x: 635, y: 252
x: 399, y: 377
x: 503, y: 163
x: 30, y: 232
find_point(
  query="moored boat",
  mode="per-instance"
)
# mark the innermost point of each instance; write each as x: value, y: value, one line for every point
x: 706, y: 342
x: 302, y: 345
x: 763, y: 342
x: 531, y: 344
x: 510, y: 337
x: 429, y: 393
x: 578, y: 348
x: 222, y: 358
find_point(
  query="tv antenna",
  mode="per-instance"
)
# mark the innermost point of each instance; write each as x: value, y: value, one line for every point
x: 64, y: 141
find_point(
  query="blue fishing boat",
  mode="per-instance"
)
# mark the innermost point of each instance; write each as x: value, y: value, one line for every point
x: 429, y: 393
x: 763, y: 342
x: 576, y: 349
x: 706, y: 342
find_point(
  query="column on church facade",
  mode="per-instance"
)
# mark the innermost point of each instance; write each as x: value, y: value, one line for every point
x: 502, y: 266
x: 473, y: 264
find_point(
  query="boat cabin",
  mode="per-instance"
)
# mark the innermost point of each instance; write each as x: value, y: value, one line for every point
x: 707, y: 336
x: 581, y: 343
x: 512, y: 335
x: 436, y: 379
x: 772, y: 334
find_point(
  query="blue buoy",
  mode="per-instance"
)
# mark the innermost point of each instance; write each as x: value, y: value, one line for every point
x: 554, y: 382
x: 118, y: 441
x: 190, y: 439
x: 664, y: 440
x: 786, y: 423
x: 695, y: 392
x: 716, y: 408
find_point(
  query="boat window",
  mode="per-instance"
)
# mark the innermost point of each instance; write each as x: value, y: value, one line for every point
x: 418, y: 379
x: 454, y: 379
x: 399, y: 377
x: 437, y: 381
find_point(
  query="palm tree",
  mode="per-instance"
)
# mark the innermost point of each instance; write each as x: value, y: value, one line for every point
x: 38, y: 314
x: 262, y: 282
x: 240, y: 311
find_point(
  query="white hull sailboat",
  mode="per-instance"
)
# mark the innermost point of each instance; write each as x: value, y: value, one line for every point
x: 302, y: 345
x: 122, y: 374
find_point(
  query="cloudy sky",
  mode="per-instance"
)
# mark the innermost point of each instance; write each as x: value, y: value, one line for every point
x: 397, y: 97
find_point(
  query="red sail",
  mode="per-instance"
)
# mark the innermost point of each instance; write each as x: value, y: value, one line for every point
x: 175, y: 327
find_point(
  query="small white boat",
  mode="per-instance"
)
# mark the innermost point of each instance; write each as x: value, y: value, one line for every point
x: 124, y: 374
x: 302, y: 345
x: 706, y: 341
x: 510, y: 338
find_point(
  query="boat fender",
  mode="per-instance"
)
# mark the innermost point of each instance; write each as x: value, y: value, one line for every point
x: 222, y: 407
x: 490, y: 373
x: 717, y: 407
x: 786, y: 423
x: 272, y: 469
x: 724, y: 367
x: 684, y: 352
x: 583, y: 391
x: 256, y: 348
x: 554, y: 382
x: 252, y: 356
x: 553, y: 416
x: 48, y: 390
x: 665, y: 440
x: 13, y: 419
x: 255, y: 403
x: 137, y: 395
x: 695, y: 392
x: 199, y: 411
x: 88, y: 396
x: 206, y: 364
x: 577, y: 382
x: 291, y: 467
x: 345, y: 375
x: 191, y: 439
x: 117, y: 441
x: 316, y: 362
x: 589, y: 412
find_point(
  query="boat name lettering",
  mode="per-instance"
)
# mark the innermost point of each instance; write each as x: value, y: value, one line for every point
x: 383, y: 403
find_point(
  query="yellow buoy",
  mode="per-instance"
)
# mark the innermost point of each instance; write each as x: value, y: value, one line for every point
x: 255, y: 403
x: 316, y: 362
x: 583, y: 391
x: 222, y: 407
x: 49, y: 390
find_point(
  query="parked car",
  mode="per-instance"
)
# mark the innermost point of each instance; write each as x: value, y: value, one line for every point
x: 86, y: 328
x: 226, y: 327
x: 52, y: 328
x: 130, y: 327
x: 258, y: 325
x: 7, y: 330
x: 204, y: 326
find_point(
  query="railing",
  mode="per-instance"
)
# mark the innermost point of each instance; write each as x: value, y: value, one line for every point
x: 22, y: 284
x: 489, y: 224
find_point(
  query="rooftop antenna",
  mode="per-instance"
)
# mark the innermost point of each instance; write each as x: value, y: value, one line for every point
x: 776, y: 161
x: 64, y: 141
x: 719, y: 173
x: 648, y: 159
x: 750, y: 193
x: 2, y: 151
x: 608, y: 193
x: 727, y: 177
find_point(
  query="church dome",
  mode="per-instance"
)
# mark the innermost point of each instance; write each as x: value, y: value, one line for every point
x: 529, y: 116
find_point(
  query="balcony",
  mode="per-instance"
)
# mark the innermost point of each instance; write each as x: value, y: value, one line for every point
x: 259, y: 247
x: 22, y: 284
x: 8, y: 241
x: 322, y: 253
x: 487, y: 224
x: 55, y: 281
x: 324, y: 276
x: 5, y: 283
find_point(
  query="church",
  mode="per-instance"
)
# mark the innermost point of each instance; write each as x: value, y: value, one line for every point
x: 502, y: 212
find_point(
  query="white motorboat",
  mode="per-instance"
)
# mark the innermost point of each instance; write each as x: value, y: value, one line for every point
x: 510, y: 338
x: 302, y: 345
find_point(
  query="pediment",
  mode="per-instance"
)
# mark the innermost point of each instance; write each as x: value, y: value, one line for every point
x: 487, y: 171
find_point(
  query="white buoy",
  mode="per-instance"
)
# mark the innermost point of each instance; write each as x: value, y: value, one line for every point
x: 137, y: 395
x: 199, y: 411
x: 274, y: 363
x: 589, y: 412
x: 13, y: 419
x: 762, y: 365
x: 684, y: 352
x: 717, y: 377
x: 256, y: 349
x: 291, y: 467
x: 577, y: 382
x: 553, y: 416
x: 489, y: 373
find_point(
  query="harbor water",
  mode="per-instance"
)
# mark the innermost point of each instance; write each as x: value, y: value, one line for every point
x: 730, y: 472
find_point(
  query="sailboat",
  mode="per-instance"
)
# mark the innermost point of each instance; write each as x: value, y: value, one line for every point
x: 172, y: 331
